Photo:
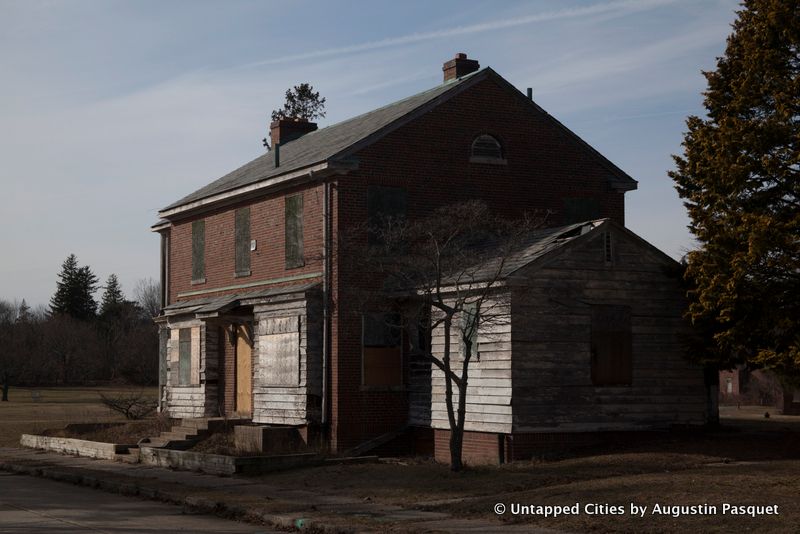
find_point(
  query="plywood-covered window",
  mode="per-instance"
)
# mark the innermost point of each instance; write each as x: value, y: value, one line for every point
x: 382, y: 349
x: 612, y: 358
x: 199, y: 251
x: 242, y: 242
x: 384, y: 206
x: 293, y: 231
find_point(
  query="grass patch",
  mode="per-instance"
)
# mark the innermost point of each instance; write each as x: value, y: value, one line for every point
x: 34, y: 410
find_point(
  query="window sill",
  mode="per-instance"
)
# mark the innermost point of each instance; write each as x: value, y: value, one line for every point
x: 488, y: 161
x: 199, y: 281
x: 186, y: 386
x: 242, y: 274
x: 289, y: 267
x: 398, y: 389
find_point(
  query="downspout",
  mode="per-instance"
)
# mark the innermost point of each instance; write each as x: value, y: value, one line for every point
x: 326, y: 287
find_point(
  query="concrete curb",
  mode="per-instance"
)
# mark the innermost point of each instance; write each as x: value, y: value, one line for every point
x: 190, y: 502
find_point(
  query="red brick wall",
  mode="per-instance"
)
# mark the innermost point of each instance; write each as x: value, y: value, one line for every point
x: 479, y: 448
x: 544, y: 166
x: 266, y: 226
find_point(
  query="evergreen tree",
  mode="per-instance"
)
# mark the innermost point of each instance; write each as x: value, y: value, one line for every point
x: 113, y: 298
x: 302, y: 102
x: 24, y: 312
x: 740, y: 180
x: 75, y: 291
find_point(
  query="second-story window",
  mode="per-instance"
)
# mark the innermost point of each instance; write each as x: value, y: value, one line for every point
x: 293, y: 228
x: 385, y: 205
x: 199, y: 252
x: 242, y: 242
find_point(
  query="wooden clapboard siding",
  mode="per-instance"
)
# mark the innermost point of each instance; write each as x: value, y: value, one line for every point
x: 552, y: 323
x: 489, y: 386
x: 293, y: 398
x: 199, y: 399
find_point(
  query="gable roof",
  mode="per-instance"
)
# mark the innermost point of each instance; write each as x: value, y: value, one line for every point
x: 338, y: 141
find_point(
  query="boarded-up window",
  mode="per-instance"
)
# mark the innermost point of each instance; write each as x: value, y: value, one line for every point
x: 612, y: 362
x: 580, y: 209
x: 294, y: 231
x: 384, y: 205
x: 185, y: 357
x: 242, y: 240
x: 199, y: 251
x: 382, y: 349
x: 279, y: 351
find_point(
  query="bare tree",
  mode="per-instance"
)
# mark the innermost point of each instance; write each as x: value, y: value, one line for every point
x: 444, y: 274
x: 147, y: 294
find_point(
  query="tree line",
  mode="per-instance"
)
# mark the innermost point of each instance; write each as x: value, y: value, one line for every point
x: 77, y: 340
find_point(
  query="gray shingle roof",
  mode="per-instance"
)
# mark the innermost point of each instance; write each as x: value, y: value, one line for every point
x: 324, y: 144
x: 342, y: 139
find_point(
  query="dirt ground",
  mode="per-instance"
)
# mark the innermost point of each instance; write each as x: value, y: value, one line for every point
x: 749, y: 460
x: 33, y: 410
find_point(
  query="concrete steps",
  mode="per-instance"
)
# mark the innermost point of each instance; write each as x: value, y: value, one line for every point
x: 188, y: 432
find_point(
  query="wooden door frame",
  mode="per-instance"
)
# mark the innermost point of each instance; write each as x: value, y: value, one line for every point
x: 248, y: 327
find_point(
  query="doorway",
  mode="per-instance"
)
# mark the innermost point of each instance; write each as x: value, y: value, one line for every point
x: 244, y: 371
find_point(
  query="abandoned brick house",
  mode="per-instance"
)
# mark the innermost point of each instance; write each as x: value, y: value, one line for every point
x: 252, y: 323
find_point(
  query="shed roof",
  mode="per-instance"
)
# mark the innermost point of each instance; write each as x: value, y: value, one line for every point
x: 221, y: 303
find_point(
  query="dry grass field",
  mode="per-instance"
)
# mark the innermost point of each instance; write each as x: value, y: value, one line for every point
x: 749, y: 460
x: 33, y: 410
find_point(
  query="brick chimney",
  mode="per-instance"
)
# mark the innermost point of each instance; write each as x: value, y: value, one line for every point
x: 459, y: 66
x: 284, y: 130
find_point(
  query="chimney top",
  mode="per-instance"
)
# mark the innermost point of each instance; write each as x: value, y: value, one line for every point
x: 459, y: 66
x: 284, y: 130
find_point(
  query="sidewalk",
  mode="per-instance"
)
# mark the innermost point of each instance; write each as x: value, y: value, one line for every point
x: 241, y: 497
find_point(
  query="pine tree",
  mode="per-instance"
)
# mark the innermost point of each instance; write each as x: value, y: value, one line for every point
x: 740, y: 180
x: 302, y: 102
x: 113, y: 299
x: 75, y: 289
x: 23, y: 312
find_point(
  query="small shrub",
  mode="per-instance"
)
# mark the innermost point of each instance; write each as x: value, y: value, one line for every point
x: 131, y: 405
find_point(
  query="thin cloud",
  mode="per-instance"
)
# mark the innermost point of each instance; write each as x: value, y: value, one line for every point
x: 577, y: 12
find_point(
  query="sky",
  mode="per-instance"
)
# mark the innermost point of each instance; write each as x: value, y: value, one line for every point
x: 111, y: 110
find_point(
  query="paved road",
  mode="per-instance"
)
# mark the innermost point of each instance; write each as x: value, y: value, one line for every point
x: 29, y: 504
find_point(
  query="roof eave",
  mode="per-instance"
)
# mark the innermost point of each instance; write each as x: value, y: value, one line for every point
x: 314, y: 171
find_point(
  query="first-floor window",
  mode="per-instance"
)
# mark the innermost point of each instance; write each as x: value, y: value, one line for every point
x: 612, y: 359
x: 185, y: 366
x: 185, y: 357
x: 382, y: 349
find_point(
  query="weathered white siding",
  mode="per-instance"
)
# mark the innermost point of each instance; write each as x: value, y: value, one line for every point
x: 489, y: 386
x: 287, y: 362
x: 199, y: 399
x: 552, y: 320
